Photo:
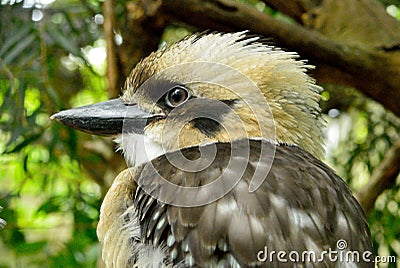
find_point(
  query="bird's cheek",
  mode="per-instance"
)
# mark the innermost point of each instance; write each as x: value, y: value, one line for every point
x: 154, y: 130
x: 173, y: 135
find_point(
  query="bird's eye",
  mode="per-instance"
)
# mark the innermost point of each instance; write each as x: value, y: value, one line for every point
x: 176, y: 96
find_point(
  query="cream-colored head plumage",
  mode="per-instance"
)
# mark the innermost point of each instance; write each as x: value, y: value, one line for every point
x: 212, y: 66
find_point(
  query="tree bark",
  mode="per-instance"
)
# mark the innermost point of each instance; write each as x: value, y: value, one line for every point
x: 141, y: 30
x: 112, y: 69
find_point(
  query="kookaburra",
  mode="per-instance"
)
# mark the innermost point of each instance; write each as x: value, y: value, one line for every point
x: 222, y: 134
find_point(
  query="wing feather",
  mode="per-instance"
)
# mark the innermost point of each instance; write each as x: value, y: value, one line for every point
x: 301, y: 205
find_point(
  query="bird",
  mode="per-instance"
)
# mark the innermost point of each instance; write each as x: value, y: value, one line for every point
x: 223, y: 137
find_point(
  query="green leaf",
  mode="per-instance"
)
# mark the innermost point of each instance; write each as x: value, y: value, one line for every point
x: 16, y: 36
x: 29, y: 248
x: 18, y: 49
x: 16, y: 145
x: 62, y: 40
x: 52, y: 204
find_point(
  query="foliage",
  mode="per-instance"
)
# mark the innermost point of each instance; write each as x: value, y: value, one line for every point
x: 359, y: 137
x: 50, y: 204
x: 50, y: 199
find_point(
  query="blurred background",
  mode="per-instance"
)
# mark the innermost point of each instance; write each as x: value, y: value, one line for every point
x: 60, y: 54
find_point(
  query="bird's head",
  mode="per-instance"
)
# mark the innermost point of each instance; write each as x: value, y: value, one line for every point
x: 209, y: 88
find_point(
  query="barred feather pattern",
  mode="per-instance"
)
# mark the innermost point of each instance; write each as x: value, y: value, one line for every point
x: 302, y: 205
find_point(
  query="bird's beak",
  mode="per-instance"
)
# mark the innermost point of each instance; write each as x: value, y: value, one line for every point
x: 106, y: 118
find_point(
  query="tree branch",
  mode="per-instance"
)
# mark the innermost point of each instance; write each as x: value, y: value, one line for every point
x: 375, y: 73
x: 362, y: 23
x: 112, y: 69
x: 141, y: 30
x: 294, y: 9
x: 383, y: 177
